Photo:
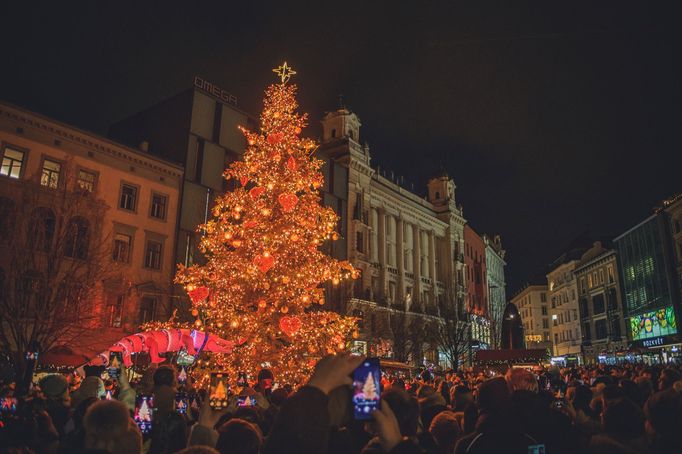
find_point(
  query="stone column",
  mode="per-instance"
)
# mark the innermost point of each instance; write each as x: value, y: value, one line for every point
x: 432, y: 267
x: 400, y: 260
x: 383, y: 282
x: 416, y: 257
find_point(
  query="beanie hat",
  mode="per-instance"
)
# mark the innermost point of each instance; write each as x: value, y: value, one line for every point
x: 54, y: 386
x: 265, y: 374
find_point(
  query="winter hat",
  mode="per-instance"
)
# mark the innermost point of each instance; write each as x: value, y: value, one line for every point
x: 265, y: 374
x: 54, y: 386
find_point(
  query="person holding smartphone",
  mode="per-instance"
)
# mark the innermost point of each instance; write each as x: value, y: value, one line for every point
x: 169, y: 428
x: 303, y: 424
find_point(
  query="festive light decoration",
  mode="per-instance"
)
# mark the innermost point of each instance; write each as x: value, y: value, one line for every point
x: 264, y: 266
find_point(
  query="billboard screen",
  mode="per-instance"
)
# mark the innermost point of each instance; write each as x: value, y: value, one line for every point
x: 657, y: 323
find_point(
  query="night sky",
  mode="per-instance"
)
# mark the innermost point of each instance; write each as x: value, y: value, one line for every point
x: 553, y: 120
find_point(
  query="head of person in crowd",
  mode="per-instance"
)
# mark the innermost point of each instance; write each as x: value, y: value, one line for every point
x: 493, y: 396
x: 581, y: 399
x: 521, y: 380
x: 623, y: 419
x: 460, y: 397
x: 406, y: 410
x: 108, y: 427
x: 165, y: 376
x: 266, y: 380
x: 238, y: 436
x: 55, y: 388
x: 667, y: 378
x: 278, y: 397
x: 91, y: 386
x: 446, y: 431
x: 663, y: 412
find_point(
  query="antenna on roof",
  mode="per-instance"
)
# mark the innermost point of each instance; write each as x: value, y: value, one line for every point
x: 341, y: 104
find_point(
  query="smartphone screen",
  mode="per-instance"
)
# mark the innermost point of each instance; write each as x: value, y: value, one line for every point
x: 242, y: 381
x: 217, y: 391
x: 144, y: 413
x: 246, y: 401
x: 31, y: 356
x: 536, y: 449
x: 114, y: 367
x: 182, y: 375
x: 8, y: 405
x: 181, y: 403
x: 184, y: 358
x: 107, y: 395
x: 366, y: 389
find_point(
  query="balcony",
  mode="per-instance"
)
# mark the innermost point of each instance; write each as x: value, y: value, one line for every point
x: 426, y: 280
x: 459, y: 258
x: 392, y: 270
x: 376, y: 265
x: 409, y: 275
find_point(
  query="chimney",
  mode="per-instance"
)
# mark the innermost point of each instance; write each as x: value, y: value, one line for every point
x: 144, y: 146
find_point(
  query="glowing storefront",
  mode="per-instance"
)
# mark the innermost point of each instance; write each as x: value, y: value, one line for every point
x: 650, y: 290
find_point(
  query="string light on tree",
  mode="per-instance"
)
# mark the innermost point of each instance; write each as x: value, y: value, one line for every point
x: 261, y: 283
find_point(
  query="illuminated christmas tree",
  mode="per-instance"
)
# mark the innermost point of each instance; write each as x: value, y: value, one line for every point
x: 264, y: 267
x: 369, y: 389
x: 219, y: 393
x: 144, y: 414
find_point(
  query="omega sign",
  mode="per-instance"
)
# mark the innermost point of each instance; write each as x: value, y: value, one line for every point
x: 215, y: 91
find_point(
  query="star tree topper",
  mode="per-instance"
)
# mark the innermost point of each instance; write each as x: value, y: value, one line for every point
x: 284, y: 72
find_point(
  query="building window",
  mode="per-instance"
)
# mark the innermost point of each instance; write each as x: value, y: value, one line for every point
x: 360, y: 242
x: 556, y: 338
x: 147, y: 309
x: 609, y: 272
x: 601, y: 276
x: 333, y: 133
x: 545, y: 323
x: 587, y: 335
x: 115, y: 312
x: 589, y: 281
x: 572, y: 294
x: 42, y: 228
x: 600, y: 329
x: 86, y: 180
x: 543, y: 297
x: 77, y: 238
x: 152, y: 257
x: 128, y: 199
x: 12, y: 163
x: 598, y: 304
x: 615, y: 328
x: 50, y: 175
x: 122, y: 244
x: 544, y: 310
x: 158, y: 208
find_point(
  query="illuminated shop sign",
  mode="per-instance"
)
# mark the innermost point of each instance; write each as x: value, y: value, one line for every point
x: 653, y: 342
x: 654, y: 324
x: 214, y: 90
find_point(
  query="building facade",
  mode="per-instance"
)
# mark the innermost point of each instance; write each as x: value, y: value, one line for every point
x: 477, y: 288
x: 198, y: 129
x: 673, y: 210
x: 651, y: 288
x: 533, y: 307
x: 600, y: 305
x: 410, y: 250
x: 565, y: 326
x: 496, y: 282
x: 139, y: 194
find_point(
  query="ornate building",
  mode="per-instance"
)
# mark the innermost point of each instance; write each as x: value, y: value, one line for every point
x: 132, y: 237
x: 533, y: 306
x: 562, y: 294
x: 497, y: 299
x: 410, y: 250
x: 600, y: 304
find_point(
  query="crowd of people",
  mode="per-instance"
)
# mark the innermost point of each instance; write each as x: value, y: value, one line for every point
x: 595, y: 409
